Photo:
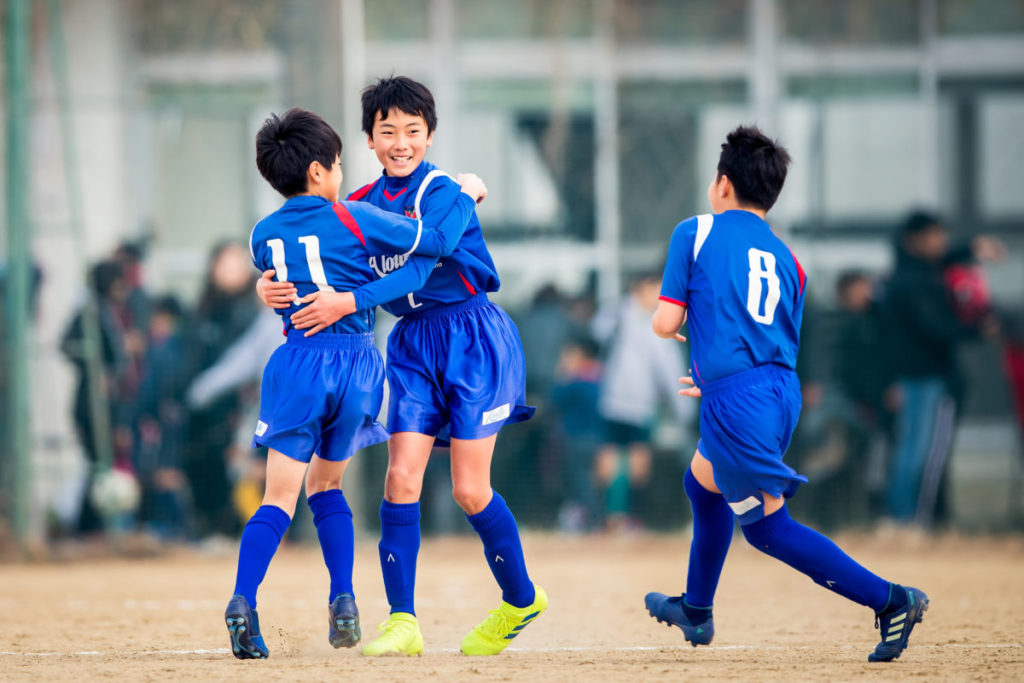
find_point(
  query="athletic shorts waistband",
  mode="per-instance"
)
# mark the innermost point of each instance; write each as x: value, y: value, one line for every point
x: 745, y: 378
x: 354, y: 342
x: 473, y: 302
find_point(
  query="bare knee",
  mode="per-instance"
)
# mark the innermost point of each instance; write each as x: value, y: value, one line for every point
x: 402, y: 484
x: 471, y: 497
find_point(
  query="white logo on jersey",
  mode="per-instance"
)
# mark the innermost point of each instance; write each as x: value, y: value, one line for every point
x: 498, y: 558
x: 261, y: 427
x: 497, y: 414
x: 391, y: 558
x: 388, y: 263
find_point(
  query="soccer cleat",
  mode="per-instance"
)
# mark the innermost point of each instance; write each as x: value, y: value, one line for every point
x: 493, y: 634
x: 896, y: 627
x: 669, y: 610
x: 400, y: 636
x: 244, y: 629
x: 344, y: 621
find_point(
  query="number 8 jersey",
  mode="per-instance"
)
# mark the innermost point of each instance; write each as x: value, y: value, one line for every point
x: 744, y: 293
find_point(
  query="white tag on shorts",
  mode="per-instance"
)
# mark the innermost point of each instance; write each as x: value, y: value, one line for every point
x: 261, y: 427
x: 745, y: 505
x: 497, y: 414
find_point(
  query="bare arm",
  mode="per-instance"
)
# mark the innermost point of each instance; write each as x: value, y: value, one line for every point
x: 668, y: 318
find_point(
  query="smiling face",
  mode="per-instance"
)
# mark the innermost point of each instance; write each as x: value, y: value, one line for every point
x: 400, y: 142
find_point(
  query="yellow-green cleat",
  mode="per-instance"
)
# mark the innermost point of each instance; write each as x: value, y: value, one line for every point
x: 400, y: 635
x: 493, y: 634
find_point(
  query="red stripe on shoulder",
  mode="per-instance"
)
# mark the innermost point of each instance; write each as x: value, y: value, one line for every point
x: 470, y: 288
x: 349, y: 222
x: 677, y: 302
x: 799, y: 271
x: 361, y: 192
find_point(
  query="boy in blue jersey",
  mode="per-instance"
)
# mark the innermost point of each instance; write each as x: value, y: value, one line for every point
x: 456, y: 374
x: 320, y: 395
x: 744, y: 292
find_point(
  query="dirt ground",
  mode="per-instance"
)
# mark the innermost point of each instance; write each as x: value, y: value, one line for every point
x: 160, y: 618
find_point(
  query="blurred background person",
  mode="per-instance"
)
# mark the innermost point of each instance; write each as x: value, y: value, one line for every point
x: 579, y: 431
x: 926, y: 324
x: 227, y: 307
x: 160, y: 421
x: 107, y: 291
x: 640, y: 370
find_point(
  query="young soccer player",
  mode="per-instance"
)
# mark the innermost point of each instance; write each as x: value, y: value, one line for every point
x: 744, y: 292
x: 320, y: 395
x: 456, y: 374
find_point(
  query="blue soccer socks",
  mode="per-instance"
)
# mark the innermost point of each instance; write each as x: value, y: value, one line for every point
x: 712, y: 534
x: 399, y: 546
x: 260, y: 538
x: 504, y: 552
x: 333, y: 519
x: 816, y: 556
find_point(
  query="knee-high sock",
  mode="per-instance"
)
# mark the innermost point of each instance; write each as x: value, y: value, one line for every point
x: 399, y: 546
x: 260, y: 538
x: 504, y: 552
x: 333, y: 519
x: 807, y: 551
x: 712, y: 534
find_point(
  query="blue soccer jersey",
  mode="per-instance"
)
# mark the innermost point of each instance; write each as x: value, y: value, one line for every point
x: 743, y: 289
x: 332, y: 246
x: 427, y: 194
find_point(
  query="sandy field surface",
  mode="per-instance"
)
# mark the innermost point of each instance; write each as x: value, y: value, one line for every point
x: 160, y: 618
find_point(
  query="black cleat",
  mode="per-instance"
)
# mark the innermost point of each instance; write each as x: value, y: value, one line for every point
x: 244, y: 629
x: 896, y: 626
x: 669, y: 610
x: 344, y: 621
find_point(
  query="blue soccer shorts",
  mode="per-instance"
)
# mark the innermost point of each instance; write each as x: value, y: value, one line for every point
x: 322, y: 395
x: 746, y: 423
x: 456, y: 371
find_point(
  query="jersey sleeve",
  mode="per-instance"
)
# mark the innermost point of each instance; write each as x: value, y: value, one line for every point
x: 409, y: 278
x: 676, y: 278
x: 436, y: 235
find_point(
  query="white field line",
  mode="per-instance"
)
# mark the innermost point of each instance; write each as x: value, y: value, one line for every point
x: 528, y: 650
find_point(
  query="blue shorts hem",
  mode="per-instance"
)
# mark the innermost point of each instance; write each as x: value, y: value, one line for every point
x: 443, y: 435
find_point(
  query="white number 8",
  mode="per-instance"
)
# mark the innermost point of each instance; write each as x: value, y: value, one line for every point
x: 762, y: 269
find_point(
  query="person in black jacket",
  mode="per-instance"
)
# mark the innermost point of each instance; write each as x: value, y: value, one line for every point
x: 924, y: 333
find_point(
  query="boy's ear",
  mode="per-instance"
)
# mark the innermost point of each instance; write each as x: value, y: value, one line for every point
x: 430, y: 139
x: 314, y: 171
x: 369, y: 141
x: 723, y: 186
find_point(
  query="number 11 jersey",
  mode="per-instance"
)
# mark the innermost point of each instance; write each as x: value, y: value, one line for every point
x: 744, y: 293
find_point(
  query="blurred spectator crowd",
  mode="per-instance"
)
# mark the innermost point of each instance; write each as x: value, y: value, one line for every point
x: 174, y: 396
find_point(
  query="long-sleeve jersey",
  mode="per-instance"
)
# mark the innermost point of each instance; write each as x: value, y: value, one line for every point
x: 331, y: 246
x: 744, y: 290
x: 426, y: 194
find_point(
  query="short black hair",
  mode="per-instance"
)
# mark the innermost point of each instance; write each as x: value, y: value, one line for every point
x: 104, y: 276
x: 401, y: 93
x: 586, y: 344
x: 287, y: 145
x: 848, y: 278
x: 919, y: 220
x: 755, y: 164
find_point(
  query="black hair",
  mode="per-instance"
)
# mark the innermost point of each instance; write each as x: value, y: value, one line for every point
x: 587, y: 345
x: 168, y: 304
x: 103, y: 276
x: 401, y: 93
x: 918, y: 221
x: 287, y: 145
x: 755, y: 164
x: 848, y: 278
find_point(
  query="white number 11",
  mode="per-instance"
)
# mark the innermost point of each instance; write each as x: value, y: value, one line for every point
x: 762, y: 270
x: 316, y: 266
